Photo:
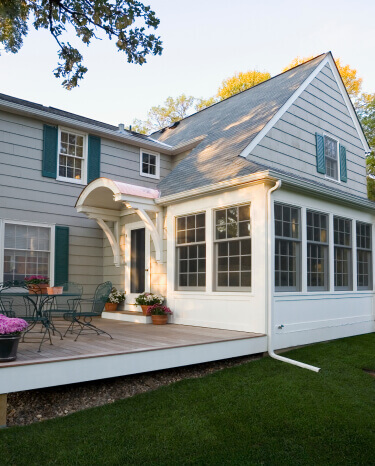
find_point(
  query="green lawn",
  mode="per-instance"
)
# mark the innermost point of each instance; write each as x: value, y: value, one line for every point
x: 263, y: 412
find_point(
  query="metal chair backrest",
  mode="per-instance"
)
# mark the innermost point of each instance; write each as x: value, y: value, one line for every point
x: 16, y: 306
x: 100, y: 298
x: 65, y: 303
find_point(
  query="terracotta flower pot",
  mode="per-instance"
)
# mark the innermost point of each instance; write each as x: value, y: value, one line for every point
x: 110, y: 307
x: 8, y: 347
x: 41, y: 288
x: 159, y: 320
x: 144, y: 309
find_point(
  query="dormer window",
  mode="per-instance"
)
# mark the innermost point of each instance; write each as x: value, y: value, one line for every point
x: 149, y: 164
x: 331, y: 156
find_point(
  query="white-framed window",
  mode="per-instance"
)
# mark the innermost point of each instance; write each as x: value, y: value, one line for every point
x: 191, y: 251
x: 72, y: 156
x: 342, y: 232
x: 287, y: 248
x: 364, y: 256
x: 232, y: 246
x: 149, y: 164
x: 331, y: 152
x: 27, y: 250
x: 317, y: 250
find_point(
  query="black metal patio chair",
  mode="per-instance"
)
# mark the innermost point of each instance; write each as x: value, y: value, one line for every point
x: 15, y: 301
x: 85, y: 310
x: 66, y: 303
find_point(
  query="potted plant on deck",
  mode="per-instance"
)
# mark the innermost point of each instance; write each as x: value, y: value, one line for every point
x: 159, y: 314
x: 10, y: 334
x: 145, y: 300
x: 37, y: 284
x: 114, y: 299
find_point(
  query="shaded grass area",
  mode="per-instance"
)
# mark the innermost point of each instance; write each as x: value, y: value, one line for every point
x: 262, y: 412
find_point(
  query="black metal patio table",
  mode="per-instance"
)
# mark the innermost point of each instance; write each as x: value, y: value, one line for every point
x: 42, y: 305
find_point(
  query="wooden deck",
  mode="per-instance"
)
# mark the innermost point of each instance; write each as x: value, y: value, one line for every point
x: 127, y: 338
x: 135, y: 348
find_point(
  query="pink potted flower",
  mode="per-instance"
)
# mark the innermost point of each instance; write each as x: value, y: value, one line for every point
x: 159, y: 314
x: 37, y: 284
x: 10, y: 334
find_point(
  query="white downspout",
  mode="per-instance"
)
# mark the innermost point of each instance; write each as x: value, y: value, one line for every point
x: 270, y: 282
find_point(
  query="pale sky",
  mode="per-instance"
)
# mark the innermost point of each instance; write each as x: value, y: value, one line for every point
x: 204, y: 42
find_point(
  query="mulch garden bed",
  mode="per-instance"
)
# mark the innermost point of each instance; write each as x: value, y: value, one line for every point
x: 38, y: 405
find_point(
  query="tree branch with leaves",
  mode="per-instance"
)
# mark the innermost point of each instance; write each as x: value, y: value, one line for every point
x: 125, y: 21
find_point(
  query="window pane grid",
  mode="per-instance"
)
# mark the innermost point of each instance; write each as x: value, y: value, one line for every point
x: 191, y: 251
x: 287, y: 246
x: 330, y: 152
x: 364, y: 255
x: 149, y: 164
x: 233, y: 247
x: 317, y: 250
x: 342, y: 253
x: 71, y: 155
x: 26, y: 251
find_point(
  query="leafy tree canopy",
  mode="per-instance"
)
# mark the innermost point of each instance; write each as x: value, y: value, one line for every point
x: 240, y: 82
x: 352, y: 81
x: 125, y: 21
x: 161, y: 116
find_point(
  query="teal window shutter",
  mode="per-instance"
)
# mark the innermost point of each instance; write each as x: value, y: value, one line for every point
x: 61, y: 255
x: 343, y: 170
x: 49, y: 163
x: 93, y: 163
x: 320, y: 158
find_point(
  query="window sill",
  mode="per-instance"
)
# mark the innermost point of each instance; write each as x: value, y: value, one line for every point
x: 332, y: 179
x: 154, y: 177
x: 71, y: 180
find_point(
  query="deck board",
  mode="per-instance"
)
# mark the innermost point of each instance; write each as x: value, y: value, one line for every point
x: 128, y: 337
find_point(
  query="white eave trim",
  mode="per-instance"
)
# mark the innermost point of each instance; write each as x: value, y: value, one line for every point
x: 328, y: 59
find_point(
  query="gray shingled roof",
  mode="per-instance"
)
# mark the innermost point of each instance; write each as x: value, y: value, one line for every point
x: 63, y: 113
x: 229, y: 127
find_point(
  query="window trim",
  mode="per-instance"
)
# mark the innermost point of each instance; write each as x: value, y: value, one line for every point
x: 326, y: 245
x: 370, y: 253
x: 51, y: 226
x: 177, y: 287
x: 226, y: 289
x: 298, y: 287
x: 338, y: 158
x: 350, y: 263
x: 83, y: 180
x: 157, y: 168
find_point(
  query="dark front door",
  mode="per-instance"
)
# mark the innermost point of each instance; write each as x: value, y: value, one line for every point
x: 137, y: 268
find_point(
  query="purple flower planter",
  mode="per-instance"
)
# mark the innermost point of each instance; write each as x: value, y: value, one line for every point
x: 8, y: 347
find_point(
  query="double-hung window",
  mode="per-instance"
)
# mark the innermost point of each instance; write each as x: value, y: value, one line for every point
x: 342, y: 229
x: 72, y: 156
x: 27, y: 251
x: 317, y: 251
x: 233, y: 248
x: 364, y: 256
x: 149, y: 164
x: 287, y: 247
x: 191, y: 251
x: 331, y: 158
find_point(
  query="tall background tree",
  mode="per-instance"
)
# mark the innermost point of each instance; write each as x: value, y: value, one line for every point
x: 125, y: 21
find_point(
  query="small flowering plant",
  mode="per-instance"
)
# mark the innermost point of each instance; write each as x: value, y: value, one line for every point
x: 148, y: 299
x: 12, y: 325
x: 116, y: 297
x: 158, y: 310
x: 37, y: 280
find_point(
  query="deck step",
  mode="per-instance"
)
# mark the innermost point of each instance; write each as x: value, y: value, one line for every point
x: 128, y: 316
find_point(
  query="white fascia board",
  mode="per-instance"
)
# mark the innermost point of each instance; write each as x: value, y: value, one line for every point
x: 348, y: 103
x: 248, y: 149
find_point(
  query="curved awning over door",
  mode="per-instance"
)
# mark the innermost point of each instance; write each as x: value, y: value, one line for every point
x: 106, y: 200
